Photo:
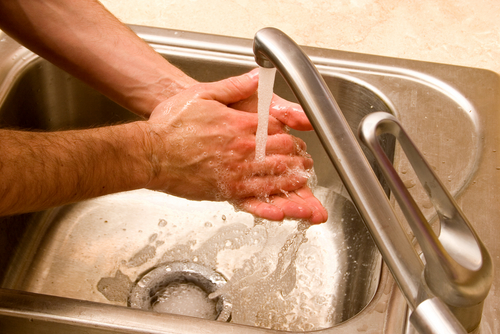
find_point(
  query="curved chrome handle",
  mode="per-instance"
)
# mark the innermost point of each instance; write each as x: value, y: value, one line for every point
x: 458, y: 267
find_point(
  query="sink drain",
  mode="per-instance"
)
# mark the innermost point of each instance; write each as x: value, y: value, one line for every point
x: 181, y: 288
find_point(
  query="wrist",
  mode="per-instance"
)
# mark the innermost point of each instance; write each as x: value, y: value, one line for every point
x: 171, y: 82
x: 147, y: 152
x: 137, y: 148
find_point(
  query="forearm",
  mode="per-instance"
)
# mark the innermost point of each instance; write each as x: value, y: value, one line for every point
x: 84, y: 39
x: 45, y: 169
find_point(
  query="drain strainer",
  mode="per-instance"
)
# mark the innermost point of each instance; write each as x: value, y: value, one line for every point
x: 167, y: 282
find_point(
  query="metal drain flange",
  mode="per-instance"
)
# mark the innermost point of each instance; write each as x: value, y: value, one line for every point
x: 145, y: 292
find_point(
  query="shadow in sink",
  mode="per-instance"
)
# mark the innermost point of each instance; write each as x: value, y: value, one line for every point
x: 70, y: 251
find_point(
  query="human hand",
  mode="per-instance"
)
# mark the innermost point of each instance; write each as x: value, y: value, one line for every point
x: 299, y: 204
x: 201, y: 149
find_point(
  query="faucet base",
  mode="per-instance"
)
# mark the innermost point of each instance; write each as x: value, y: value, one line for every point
x: 468, y: 315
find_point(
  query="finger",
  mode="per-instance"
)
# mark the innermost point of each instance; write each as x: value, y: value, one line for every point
x: 278, y: 209
x: 287, y: 113
x: 263, y: 185
x: 285, y: 144
x: 275, y: 126
x: 305, y: 196
x: 261, y: 209
x: 290, y: 114
x: 278, y: 165
x: 252, y: 120
x: 292, y: 206
x: 234, y: 89
x: 297, y: 205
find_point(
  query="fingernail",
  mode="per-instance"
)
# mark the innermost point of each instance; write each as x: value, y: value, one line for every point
x: 254, y: 73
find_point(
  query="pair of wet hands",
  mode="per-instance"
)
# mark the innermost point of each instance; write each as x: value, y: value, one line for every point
x: 206, y: 138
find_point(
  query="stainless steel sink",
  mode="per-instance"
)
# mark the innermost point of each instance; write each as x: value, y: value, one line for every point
x: 71, y: 268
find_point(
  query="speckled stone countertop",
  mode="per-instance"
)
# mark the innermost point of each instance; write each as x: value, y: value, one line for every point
x: 459, y: 32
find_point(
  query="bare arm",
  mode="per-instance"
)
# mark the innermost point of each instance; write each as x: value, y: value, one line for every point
x: 83, y: 38
x: 44, y: 169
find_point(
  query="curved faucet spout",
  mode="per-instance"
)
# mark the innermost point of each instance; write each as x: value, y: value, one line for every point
x: 273, y: 48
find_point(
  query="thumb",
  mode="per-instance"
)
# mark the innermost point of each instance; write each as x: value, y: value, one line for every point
x: 234, y: 89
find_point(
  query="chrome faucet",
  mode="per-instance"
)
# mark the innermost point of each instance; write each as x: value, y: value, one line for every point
x: 458, y: 268
x: 428, y: 295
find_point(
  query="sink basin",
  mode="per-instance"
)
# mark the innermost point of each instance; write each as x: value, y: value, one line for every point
x: 72, y: 267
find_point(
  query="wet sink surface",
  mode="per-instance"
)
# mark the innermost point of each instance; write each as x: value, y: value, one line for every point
x: 95, y: 250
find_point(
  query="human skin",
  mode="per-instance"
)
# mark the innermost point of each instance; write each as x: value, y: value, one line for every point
x: 84, y: 39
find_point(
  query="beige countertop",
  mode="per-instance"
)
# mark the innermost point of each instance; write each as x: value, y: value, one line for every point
x: 459, y: 32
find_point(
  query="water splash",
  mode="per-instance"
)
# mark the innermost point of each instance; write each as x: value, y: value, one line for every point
x: 259, y: 289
